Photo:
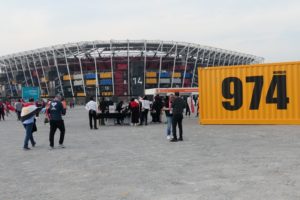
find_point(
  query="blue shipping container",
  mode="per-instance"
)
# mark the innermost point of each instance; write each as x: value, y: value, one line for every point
x: 187, y: 75
x: 106, y: 82
x: 90, y: 76
x: 165, y: 75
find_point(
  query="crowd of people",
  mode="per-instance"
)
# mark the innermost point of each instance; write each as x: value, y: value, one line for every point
x: 137, y: 109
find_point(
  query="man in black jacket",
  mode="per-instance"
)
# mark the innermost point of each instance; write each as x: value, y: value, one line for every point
x: 56, y: 110
x: 178, y: 105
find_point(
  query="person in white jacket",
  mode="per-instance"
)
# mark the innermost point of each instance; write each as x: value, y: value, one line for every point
x: 91, y: 106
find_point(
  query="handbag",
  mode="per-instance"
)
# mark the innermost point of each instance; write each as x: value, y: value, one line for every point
x: 46, y: 120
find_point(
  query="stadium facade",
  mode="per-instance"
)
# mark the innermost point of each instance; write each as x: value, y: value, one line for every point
x: 113, y: 68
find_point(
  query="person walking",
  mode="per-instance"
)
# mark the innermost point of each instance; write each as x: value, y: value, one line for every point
x: 56, y: 110
x: 28, y: 119
x: 91, y: 106
x: 178, y: 105
x: 19, y: 107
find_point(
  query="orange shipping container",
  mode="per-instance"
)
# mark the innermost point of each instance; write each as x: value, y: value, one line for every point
x: 252, y: 94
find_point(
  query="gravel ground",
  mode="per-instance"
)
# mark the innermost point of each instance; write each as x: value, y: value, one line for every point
x: 124, y: 162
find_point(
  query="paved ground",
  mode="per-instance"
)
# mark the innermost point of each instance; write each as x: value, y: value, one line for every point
x: 125, y: 163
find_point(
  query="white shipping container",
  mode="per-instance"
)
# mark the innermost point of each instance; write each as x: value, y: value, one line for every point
x: 165, y: 80
x: 176, y: 80
x: 79, y: 82
x: 77, y: 76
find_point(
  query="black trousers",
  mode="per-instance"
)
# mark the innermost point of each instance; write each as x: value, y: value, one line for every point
x: 18, y: 114
x: 2, y: 114
x: 144, y: 116
x: 57, y: 124
x: 177, y: 119
x: 93, y: 116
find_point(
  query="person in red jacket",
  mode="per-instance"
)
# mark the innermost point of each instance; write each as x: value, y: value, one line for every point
x: 134, y: 107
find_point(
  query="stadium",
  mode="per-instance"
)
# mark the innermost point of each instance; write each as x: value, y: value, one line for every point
x: 112, y: 68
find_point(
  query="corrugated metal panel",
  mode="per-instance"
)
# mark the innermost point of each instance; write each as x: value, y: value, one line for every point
x: 253, y: 94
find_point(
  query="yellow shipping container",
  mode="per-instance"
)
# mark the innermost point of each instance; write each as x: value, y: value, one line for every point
x: 252, y: 94
x: 106, y: 75
x: 43, y: 79
x: 106, y: 93
x: 151, y: 81
x: 67, y: 77
x: 151, y: 74
x: 90, y: 82
x: 177, y: 75
x: 80, y: 94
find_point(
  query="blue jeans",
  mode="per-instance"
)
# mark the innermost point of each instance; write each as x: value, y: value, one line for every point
x: 28, y: 136
x: 169, y: 125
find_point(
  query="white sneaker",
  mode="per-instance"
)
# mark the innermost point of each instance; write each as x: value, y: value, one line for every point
x: 51, y: 148
x: 61, y: 146
x: 168, y: 137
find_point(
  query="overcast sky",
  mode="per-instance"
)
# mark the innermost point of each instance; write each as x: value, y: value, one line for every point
x: 267, y: 28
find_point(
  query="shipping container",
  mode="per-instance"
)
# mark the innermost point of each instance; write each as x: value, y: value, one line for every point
x: 78, y: 82
x: 164, y: 75
x: 106, y: 93
x: 165, y: 80
x: 151, y: 81
x: 176, y: 75
x: 77, y: 76
x: 105, y: 82
x: 187, y: 75
x: 43, y: 79
x: 151, y: 74
x: 252, y: 94
x: 67, y: 77
x: 90, y: 82
x: 176, y: 80
x: 80, y: 94
x: 90, y: 76
x: 105, y: 75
